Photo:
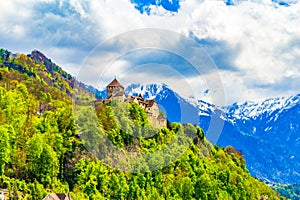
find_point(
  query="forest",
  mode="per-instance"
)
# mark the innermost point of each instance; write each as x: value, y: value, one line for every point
x: 290, y: 191
x: 48, y: 146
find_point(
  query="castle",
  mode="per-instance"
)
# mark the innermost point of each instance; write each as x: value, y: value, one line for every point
x: 116, y: 91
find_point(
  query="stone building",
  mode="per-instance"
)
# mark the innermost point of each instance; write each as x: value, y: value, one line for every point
x: 116, y: 91
x: 61, y: 196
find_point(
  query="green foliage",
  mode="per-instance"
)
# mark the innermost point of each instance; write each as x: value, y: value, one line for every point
x: 4, y: 148
x: 42, y: 160
x: 290, y: 191
x: 43, y: 150
x: 138, y: 114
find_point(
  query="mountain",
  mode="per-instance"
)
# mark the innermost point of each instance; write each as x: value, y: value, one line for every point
x: 271, y: 140
x: 266, y: 132
x: 37, y: 67
x: 46, y: 141
x: 290, y: 191
x: 176, y: 108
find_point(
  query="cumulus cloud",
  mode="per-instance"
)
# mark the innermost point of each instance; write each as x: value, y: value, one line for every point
x: 255, y: 44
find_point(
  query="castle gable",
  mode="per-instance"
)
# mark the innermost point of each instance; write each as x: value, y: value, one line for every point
x: 114, y: 83
x: 115, y: 91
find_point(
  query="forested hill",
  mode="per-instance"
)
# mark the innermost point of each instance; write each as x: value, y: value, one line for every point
x: 42, y: 151
x: 290, y: 191
x: 42, y: 72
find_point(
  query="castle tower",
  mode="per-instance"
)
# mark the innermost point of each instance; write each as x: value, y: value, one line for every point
x: 115, y: 91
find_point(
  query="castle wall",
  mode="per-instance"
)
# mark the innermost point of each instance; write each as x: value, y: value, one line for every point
x: 157, y: 121
x: 113, y: 91
x: 155, y: 117
x: 119, y: 98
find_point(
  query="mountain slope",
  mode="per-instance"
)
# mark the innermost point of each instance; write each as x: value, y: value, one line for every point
x: 274, y: 126
x: 290, y: 191
x: 176, y: 108
x: 42, y: 147
x: 266, y: 132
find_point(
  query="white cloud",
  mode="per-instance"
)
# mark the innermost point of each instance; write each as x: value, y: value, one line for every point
x: 77, y: 4
x: 264, y: 34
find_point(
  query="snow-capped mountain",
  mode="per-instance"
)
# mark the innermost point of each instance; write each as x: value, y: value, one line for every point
x: 267, y: 132
x: 176, y: 108
x: 149, y: 91
x: 161, y: 92
x: 263, y: 109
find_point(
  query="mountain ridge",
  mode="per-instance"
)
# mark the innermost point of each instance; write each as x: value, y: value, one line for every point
x: 42, y: 146
x: 259, y: 129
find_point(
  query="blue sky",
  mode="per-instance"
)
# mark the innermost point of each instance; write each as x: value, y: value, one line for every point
x: 144, y: 6
x: 254, y: 44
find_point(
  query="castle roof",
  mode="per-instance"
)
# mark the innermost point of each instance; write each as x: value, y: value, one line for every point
x: 61, y: 196
x: 115, y: 82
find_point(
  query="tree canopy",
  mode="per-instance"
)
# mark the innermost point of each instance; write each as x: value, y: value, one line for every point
x: 42, y: 148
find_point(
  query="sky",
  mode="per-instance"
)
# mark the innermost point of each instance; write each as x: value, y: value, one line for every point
x: 246, y: 50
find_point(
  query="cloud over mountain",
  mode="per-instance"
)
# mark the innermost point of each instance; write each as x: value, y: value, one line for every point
x: 253, y: 43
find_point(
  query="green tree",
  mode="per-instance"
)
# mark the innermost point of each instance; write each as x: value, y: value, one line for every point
x: 122, y: 193
x: 187, y: 189
x: 4, y: 148
x: 42, y: 160
x: 114, y: 186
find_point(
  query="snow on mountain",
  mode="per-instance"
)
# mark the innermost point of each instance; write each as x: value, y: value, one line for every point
x: 160, y: 92
x: 148, y: 91
x: 267, y: 132
x: 262, y: 109
x: 268, y: 109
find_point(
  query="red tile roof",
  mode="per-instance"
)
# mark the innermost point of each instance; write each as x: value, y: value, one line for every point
x: 115, y: 82
x: 61, y: 196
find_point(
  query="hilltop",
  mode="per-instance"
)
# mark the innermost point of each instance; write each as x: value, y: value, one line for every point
x: 43, y: 146
x: 271, y: 126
